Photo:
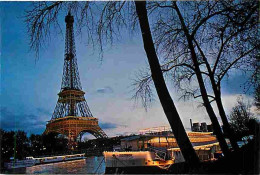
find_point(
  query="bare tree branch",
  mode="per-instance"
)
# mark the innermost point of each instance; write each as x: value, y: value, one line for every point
x: 234, y: 62
x: 143, y: 89
x: 39, y: 20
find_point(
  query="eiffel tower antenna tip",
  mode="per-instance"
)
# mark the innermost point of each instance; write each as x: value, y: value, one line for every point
x: 69, y: 18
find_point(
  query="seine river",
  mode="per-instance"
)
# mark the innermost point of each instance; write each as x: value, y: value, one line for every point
x: 89, y: 165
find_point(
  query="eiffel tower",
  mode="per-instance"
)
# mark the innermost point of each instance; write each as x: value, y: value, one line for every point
x: 72, y: 116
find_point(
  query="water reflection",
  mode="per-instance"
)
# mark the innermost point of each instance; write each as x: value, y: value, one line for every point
x: 89, y: 165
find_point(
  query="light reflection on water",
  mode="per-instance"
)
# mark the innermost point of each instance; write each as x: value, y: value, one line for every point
x: 89, y: 165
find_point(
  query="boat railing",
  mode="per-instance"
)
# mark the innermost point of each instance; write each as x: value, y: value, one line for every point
x: 160, y: 153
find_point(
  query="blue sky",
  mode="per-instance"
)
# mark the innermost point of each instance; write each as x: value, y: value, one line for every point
x: 29, y: 86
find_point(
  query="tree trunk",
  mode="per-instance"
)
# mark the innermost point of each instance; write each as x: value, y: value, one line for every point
x: 209, y: 109
x: 226, y: 126
x: 161, y: 88
x: 203, y: 91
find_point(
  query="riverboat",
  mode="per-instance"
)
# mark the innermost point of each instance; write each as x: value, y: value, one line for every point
x: 31, y: 161
x: 142, y: 161
x: 155, y: 152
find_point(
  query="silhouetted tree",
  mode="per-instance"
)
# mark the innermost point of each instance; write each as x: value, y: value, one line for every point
x: 54, y: 143
x: 161, y: 88
x: 206, y: 38
x: 242, y: 120
x: 255, y: 80
x: 7, y: 145
x: 36, y: 144
x: 22, y: 144
x: 14, y: 144
x: 257, y: 97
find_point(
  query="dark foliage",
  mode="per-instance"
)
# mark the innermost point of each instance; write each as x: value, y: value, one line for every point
x: 16, y: 144
x: 242, y: 120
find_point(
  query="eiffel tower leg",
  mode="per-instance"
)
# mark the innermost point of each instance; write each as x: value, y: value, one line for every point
x: 100, y: 133
x: 72, y: 140
x: 80, y: 137
x: 72, y: 143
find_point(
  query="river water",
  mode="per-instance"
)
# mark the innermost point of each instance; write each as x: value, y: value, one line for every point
x: 89, y: 165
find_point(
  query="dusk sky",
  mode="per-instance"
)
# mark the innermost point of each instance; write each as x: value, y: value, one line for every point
x: 29, y: 86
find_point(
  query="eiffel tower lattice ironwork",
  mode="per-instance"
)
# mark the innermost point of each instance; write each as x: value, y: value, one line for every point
x: 72, y: 115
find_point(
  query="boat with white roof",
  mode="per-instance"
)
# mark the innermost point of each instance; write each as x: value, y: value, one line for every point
x: 31, y: 161
x: 157, y: 151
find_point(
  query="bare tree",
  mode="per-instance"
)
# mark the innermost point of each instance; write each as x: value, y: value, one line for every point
x: 235, y: 50
x: 240, y: 117
x: 219, y: 36
x: 107, y: 21
x: 101, y: 22
x: 257, y: 97
x: 255, y: 80
x: 161, y: 88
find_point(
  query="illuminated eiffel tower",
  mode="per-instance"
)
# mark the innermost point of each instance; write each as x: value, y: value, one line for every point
x: 72, y: 115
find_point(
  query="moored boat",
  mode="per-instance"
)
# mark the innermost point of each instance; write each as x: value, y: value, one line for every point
x: 143, y: 161
x: 31, y: 161
x: 157, y: 152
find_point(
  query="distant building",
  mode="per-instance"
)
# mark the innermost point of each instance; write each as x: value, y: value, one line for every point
x: 196, y: 127
x: 209, y: 127
x: 200, y: 127
x: 203, y: 127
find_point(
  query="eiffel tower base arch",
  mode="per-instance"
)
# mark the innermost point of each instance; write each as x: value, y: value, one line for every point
x: 72, y: 126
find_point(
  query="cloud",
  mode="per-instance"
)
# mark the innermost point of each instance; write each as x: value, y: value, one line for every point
x: 107, y: 125
x: 130, y: 118
x: 105, y: 90
x: 229, y: 101
x: 30, y: 123
x: 119, y: 116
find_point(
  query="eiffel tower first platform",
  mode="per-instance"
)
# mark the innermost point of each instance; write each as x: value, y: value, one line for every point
x: 72, y: 115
